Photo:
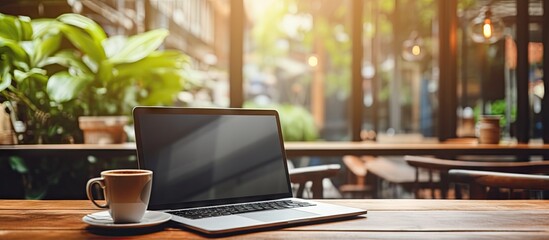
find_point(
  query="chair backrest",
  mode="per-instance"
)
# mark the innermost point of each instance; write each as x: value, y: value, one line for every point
x: 315, y: 174
x: 479, y: 181
x: 444, y: 165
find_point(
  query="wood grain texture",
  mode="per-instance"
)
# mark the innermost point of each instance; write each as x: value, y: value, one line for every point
x: 437, y: 149
x: 450, y: 219
x: 181, y: 234
x: 370, y: 204
x: 446, y: 164
x: 501, y: 180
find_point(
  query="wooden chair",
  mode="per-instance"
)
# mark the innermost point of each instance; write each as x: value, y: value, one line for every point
x: 483, y: 183
x: 444, y: 165
x: 356, y: 185
x: 379, y: 177
x: 314, y: 174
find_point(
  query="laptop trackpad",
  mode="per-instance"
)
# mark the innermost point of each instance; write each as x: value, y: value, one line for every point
x: 278, y: 215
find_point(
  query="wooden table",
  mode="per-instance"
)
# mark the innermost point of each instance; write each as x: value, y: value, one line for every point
x: 295, y: 149
x: 396, y: 149
x: 406, y: 219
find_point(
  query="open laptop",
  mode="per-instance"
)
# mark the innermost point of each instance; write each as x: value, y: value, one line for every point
x: 222, y: 170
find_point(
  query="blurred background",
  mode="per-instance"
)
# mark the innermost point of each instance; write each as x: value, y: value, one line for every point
x: 300, y: 57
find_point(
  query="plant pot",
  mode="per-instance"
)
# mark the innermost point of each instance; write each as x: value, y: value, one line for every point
x: 489, y: 129
x: 103, y: 129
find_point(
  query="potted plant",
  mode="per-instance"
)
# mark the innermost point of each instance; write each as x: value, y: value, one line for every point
x: 27, y: 50
x: 57, y: 70
x: 108, y: 76
x: 60, y: 69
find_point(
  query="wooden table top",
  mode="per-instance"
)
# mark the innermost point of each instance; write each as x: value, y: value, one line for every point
x: 429, y: 148
x: 456, y: 219
x: 295, y: 149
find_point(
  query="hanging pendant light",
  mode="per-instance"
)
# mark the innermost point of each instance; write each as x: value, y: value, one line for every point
x: 413, y: 48
x: 486, y: 28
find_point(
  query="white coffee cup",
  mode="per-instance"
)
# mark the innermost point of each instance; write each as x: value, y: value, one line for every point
x: 126, y: 192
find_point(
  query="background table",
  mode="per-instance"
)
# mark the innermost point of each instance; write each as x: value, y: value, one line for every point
x: 109, y: 156
x: 406, y: 219
x: 296, y: 149
x: 437, y: 149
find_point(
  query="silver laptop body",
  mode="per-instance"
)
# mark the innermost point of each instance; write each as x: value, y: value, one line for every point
x: 205, y: 160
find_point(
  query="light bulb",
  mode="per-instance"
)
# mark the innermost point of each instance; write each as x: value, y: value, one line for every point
x: 416, y: 50
x: 486, y: 28
x: 313, y: 61
x: 412, y: 48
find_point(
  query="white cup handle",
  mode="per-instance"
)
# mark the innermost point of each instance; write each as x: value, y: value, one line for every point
x: 89, y: 191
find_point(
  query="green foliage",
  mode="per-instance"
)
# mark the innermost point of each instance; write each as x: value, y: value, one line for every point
x: 117, y: 73
x: 267, y: 32
x: 25, y: 49
x: 329, y: 17
x: 497, y: 107
x: 296, y: 122
x: 59, y: 69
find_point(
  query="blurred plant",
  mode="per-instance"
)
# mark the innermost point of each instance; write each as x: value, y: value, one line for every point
x: 296, y: 122
x: 497, y: 107
x: 109, y: 76
x: 26, y: 49
x: 59, y: 69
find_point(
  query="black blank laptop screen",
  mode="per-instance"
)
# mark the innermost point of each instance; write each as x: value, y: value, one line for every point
x: 209, y: 157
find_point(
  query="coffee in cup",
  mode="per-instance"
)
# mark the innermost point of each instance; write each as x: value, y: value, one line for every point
x: 126, y: 192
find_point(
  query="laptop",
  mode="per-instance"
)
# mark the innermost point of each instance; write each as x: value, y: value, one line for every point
x: 222, y: 170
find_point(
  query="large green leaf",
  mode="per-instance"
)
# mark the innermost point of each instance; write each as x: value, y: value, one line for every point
x: 139, y: 46
x: 92, y: 66
x: 165, y: 59
x: 30, y: 50
x: 5, y: 77
x: 36, y: 73
x: 45, y: 47
x: 45, y: 26
x: 113, y: 45
x: 8, y: 29
x: 161, y: 87
x: 68, y: 59
x: 15, y: 28
x: 84, y: 42
x: 92, y: 28
x: 15, y: 49
x: 22, y: 65
x: 105, y: 73
x: 63, y: 87
x: 24, y: 28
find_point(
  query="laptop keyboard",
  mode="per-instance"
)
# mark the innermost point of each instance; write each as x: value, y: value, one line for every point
x: 236, y: 209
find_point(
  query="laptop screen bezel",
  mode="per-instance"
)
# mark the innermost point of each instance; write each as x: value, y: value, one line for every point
x: 140, y: 111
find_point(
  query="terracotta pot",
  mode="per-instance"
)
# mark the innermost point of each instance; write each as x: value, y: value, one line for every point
x: 489, y: 129
x: 103, y: 129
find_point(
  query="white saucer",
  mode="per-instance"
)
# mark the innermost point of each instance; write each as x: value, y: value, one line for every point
x: 103, y: 219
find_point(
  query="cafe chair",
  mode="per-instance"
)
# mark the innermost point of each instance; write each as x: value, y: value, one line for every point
x: 443, y: 166
x: 486, y: 184
x: 380, y: 177
x: 314, y: 174
x: 356, y: 185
